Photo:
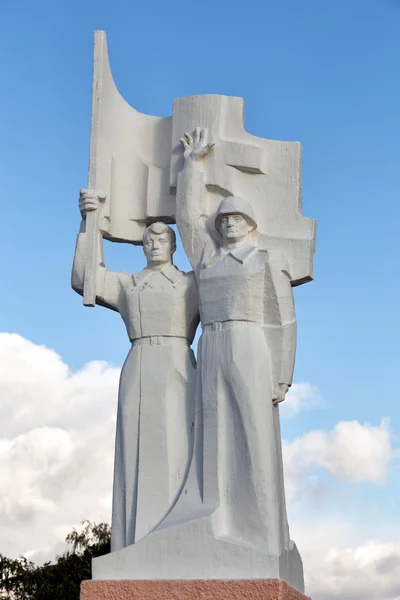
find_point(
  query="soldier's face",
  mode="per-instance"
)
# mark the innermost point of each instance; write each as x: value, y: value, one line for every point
x: 234, y: 227
x: 157, y: 248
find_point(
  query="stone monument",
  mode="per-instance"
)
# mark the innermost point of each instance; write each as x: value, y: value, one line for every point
x: 198, y: 502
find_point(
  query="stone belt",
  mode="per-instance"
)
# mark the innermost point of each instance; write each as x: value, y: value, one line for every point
x: 160, y: 340
x: 218, y: 326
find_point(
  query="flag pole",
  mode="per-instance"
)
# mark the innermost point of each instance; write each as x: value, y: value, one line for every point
x: 94, y: 218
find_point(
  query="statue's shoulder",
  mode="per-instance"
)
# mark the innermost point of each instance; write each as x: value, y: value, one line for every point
x: 188, y: 276
x: 178, y: 277
x: 121, y: 276
x: 136, y: 278
x: 277, y: 259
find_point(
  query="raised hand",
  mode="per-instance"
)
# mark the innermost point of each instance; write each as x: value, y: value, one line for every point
x: 196, y: 147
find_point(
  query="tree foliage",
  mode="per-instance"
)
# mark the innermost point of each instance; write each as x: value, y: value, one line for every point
x: 21, y: 579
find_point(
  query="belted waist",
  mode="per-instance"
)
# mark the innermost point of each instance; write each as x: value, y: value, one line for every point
x: 160, y: 340
x: 219, y: 325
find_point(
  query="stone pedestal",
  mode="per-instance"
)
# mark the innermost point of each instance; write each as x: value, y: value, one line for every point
x: 253, y: 589
x: 190, y: 552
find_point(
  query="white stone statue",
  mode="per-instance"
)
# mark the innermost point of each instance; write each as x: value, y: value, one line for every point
x: 155, y: 423
x: 219, y: 511
x: 245, y: 355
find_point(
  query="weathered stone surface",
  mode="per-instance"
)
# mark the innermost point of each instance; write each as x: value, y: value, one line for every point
x: 198, y: 486
x: 156, y: 401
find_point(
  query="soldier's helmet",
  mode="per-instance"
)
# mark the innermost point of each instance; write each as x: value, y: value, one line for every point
x: 235, y: 205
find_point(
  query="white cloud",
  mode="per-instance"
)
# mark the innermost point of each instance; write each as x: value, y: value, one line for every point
x: 57, y: 446
x: 37, y: 388
x: 369, y: 571
x: 342, y: 563
x: 350, y: 451
x: 56, y: 459
x: 22, y: 461
x: 301, y: 396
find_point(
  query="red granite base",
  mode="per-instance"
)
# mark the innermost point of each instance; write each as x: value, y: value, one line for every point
x: 254, y: 589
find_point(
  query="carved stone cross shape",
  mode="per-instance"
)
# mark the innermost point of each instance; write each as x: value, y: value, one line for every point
x: 234, y: 147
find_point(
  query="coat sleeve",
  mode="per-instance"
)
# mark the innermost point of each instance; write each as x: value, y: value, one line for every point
x: 191, y: 217
x: 108, y: 284
x: 280, y: 320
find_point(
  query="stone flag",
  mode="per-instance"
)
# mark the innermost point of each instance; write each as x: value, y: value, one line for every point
x: 135, y: 160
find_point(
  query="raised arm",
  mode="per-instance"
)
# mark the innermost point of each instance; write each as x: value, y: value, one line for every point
x: 108, y: 284
x: 190, y: 195
x: 280, y: 325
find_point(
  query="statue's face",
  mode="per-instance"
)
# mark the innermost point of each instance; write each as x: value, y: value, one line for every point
x: 234, y: 227
x: 157, y: 248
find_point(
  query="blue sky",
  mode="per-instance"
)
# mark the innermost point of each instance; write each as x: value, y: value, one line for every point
x: 324, y: 73
x: 320, y: 73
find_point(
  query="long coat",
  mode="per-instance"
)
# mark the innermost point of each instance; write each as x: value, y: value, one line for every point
x: 245, y: 351
x: 155, y: 421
